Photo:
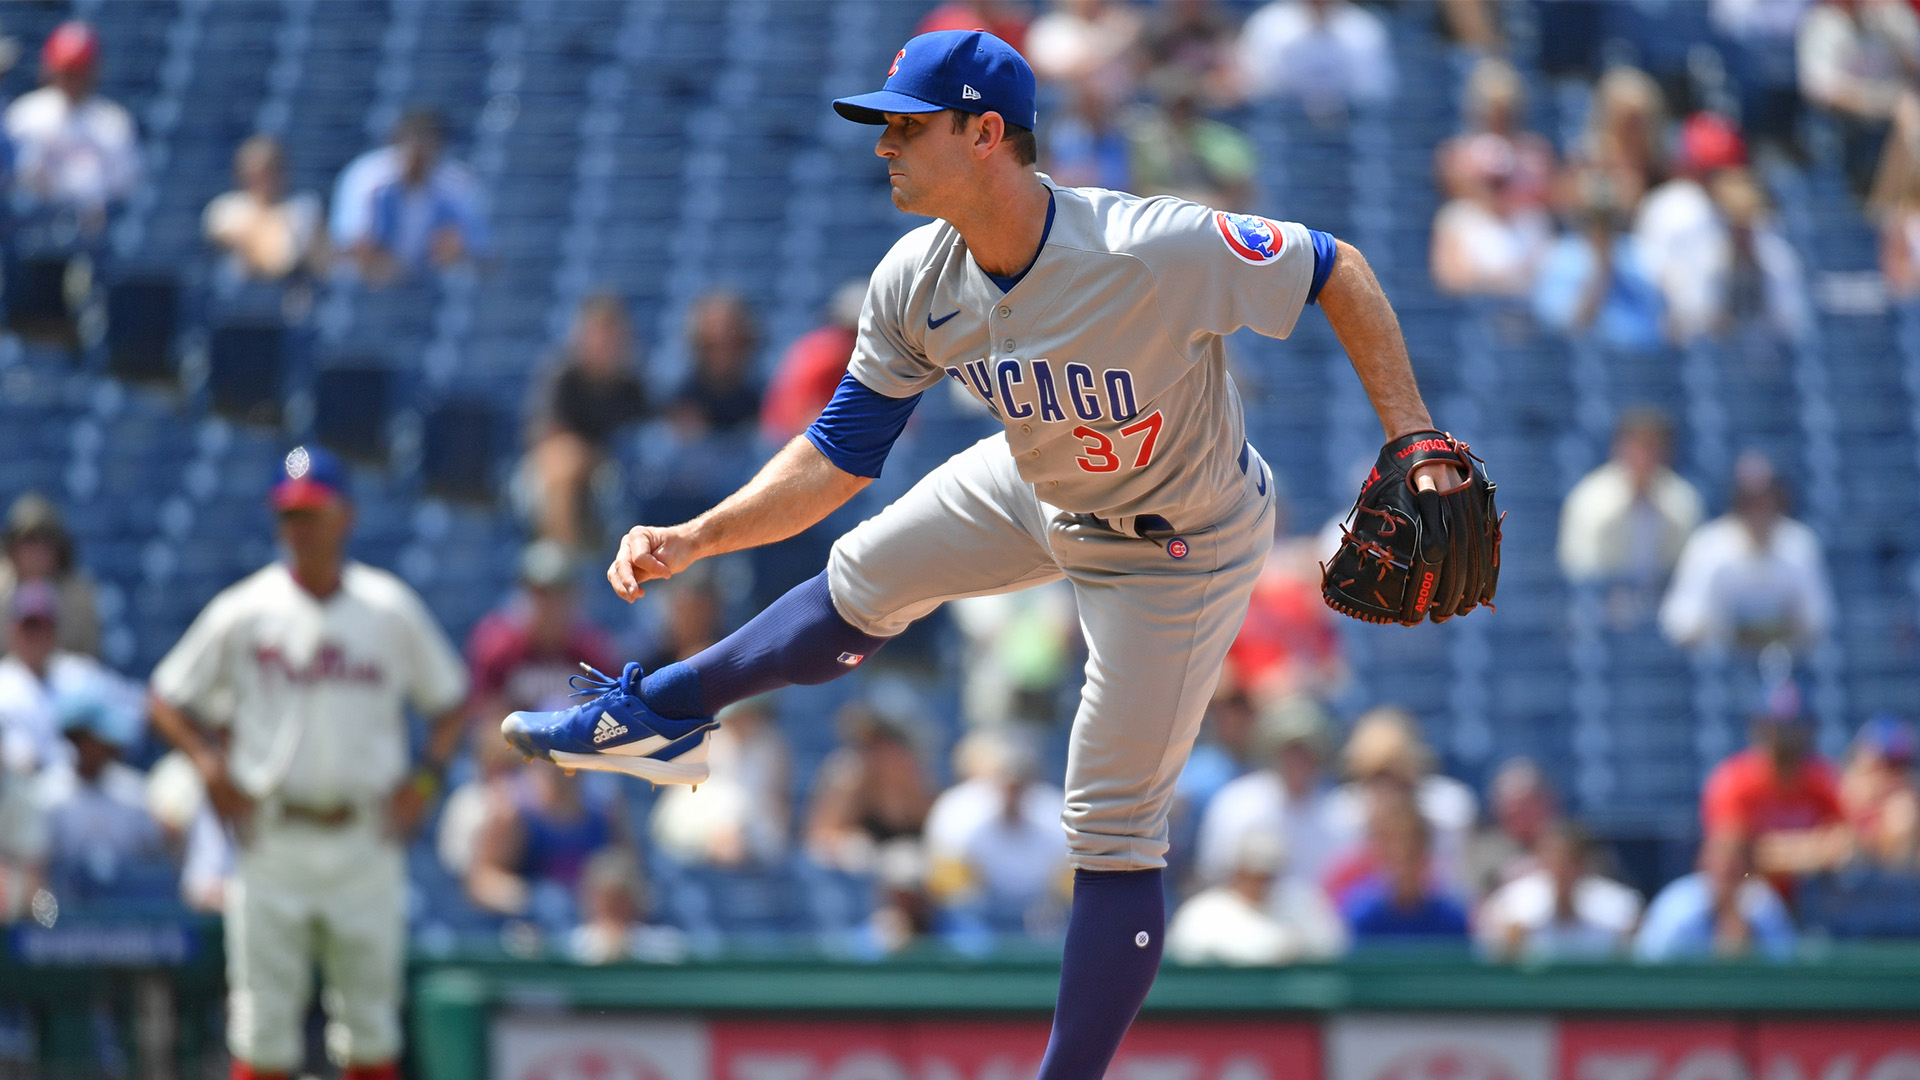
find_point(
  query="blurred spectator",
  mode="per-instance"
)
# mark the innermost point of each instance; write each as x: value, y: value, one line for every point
x: 870, y: 791
x: 1878, y: 795
x: 23, y: 845
x: 1857, y: 60
x: 96, y: 811
x: 1326, y: 54
x: 1197, y: 40
x: 73, y: 150
x: 589, y: 392
x: 1387, y: 761
x: 1085, y: 42
x: 36, y: 547
x: 1626, y: 521
x: 994, y: 841
x: 742, y: 812
x: 812, y: 367
x: 1752, y: 577
x: 1900, y: 239
x: 1713, y: 250
x: 1288, y: 643
x: 691, y: 619
x: 1257, y: 916
x: 1495, y: 100
x: 1399, y: 902
x: 1021, y: 648
x: 1178, y: 151
x: 719, y: 394
x: 525, y: 654
x: 1622, y: 154
x: 536, y: 842
x: 1719, y: 910
x: 470, y: 805
x: 1594, y: 281
x: 1220, y: 754
x: 1491, y: 238
x: 403, y: 208
x: 903, y: 912
x: 34, y: 675
x: 266, y: 233
x: 1524, y: 808
x: 1779, y: 794
x: 1757, y: 42
x: 1290, y: 795
x: 1561, y: 911
x: 206, y: 866
x: 1004, y: 19
x: 613, y: 903
x: 1086, y: 145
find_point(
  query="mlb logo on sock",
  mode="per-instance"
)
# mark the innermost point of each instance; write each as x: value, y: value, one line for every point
x: 851, y: 658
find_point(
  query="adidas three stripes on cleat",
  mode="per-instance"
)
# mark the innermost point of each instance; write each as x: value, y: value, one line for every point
x: 614, y: 732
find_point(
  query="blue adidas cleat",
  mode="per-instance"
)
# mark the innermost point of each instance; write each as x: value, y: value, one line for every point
x: 615, y: 732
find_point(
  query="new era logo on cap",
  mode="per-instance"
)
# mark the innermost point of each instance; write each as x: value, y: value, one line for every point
x: 968, y: 70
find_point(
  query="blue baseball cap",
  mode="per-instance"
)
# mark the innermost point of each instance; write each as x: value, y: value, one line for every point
x: 309, y: 477
x: 969, y: 70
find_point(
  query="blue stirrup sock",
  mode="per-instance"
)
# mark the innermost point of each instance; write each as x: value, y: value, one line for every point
x: 1112, y: 954
x: 798, y: 639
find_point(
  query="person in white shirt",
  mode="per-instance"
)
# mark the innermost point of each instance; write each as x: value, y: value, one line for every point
x: 305, y: 669
x: 73, y: 149
x: 1258, y: 916
x: 1752, y: 577
x: 1292, y: 796
x: 994, y: 841
x: 743, y: 811
x: 1714, y: 252
x: 266, y: 233
x: 1327, y: 54
x: 1626, y: 521
x: 1490, y: 240
x: 33, y: 675
x: 1561, y: 911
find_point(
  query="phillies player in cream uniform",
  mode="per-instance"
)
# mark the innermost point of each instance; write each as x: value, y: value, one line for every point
x: 289, y: 694
x: 1090, y: 323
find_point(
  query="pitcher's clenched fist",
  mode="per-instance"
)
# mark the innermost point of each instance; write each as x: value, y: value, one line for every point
x: 648, y: 554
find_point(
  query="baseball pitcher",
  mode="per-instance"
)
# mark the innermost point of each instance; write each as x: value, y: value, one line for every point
x: 1091, y: 324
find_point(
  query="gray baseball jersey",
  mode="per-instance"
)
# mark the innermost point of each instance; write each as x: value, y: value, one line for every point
x: 1105, y: 362
x: 1106, y: 366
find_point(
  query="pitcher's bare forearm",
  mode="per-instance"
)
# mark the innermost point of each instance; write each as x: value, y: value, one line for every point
x: 791, y: 493
x: 1363, y: 320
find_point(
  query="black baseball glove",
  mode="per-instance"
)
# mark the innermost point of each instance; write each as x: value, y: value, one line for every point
x: 1409, y: 555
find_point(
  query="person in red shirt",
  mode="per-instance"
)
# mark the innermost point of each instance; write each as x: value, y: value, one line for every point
x: 1780, y: 795
x: 812, y: 367
x: 523, y: 654
x: 1004, y: 20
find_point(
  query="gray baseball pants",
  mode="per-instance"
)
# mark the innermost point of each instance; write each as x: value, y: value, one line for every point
x: 1157, y: 626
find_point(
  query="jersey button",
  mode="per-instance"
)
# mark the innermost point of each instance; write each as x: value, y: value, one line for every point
x: 1005, y: 311
x: 1008, y: 344
x: 1033, y: 453
x: 1026, y: 429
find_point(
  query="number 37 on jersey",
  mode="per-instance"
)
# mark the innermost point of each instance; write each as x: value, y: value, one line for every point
x: 1049, y: 393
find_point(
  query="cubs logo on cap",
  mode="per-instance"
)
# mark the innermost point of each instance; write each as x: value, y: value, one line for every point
x: 969, y: 70
x: 1251, y: 239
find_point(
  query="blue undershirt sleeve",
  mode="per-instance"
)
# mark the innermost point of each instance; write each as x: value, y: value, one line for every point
x: 859, y: 426
x: 1324, y: 252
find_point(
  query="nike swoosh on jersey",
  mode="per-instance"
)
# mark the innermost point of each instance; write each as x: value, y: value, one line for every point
x: 935, y: 324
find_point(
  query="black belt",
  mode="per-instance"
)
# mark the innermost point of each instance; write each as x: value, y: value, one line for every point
x: 326, y: 817
x: 1147, y: 526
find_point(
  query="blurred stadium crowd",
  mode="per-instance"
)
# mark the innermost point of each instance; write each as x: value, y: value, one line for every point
x: 1641, y: 226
